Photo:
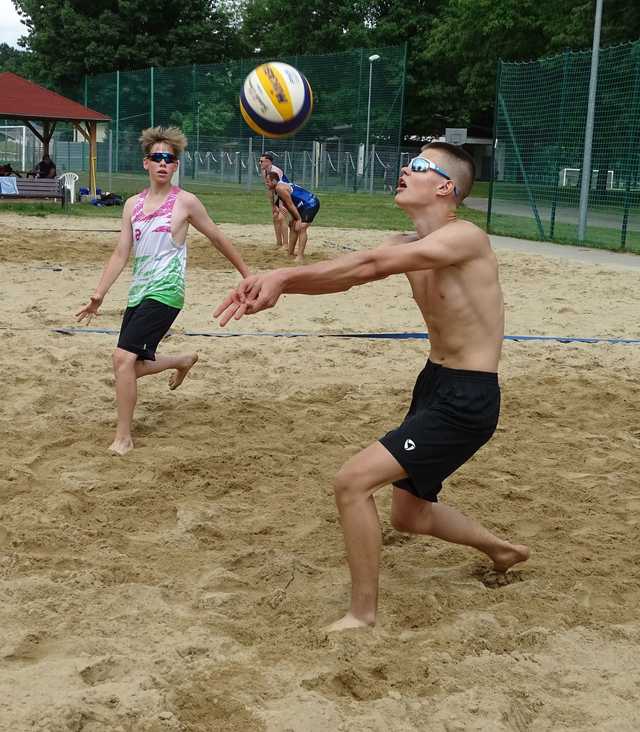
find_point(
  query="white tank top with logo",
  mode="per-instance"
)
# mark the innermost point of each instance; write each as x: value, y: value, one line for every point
x: 159, y: 263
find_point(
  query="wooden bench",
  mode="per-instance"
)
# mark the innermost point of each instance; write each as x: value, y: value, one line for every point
x: 41, y: 188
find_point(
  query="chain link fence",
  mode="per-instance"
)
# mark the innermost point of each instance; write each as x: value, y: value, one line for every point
x: 541, y: 109
x: 313, y: 165
x: 351, y: 142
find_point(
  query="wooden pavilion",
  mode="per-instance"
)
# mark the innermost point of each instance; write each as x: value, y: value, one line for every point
x: 23, y: 100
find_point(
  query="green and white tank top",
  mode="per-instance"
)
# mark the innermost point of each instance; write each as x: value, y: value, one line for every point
x: 159, y: 264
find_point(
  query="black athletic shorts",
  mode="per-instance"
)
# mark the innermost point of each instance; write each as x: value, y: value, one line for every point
x: 452, y: 414
x: 143, y: 327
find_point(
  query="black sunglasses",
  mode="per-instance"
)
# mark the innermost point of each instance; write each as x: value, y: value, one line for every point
x: 158, y: 157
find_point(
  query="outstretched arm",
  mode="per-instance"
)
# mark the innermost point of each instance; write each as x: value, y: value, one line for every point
x: 201, y: 220
x: 450, y: 245
x: 114, y: 266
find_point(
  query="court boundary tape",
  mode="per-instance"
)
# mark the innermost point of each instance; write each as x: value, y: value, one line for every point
x: 403, y: 336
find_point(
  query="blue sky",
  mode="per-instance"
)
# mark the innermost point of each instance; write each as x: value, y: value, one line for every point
x: 10, y: 26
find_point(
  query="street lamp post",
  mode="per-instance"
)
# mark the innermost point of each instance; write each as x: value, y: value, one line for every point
x: 372, y: 60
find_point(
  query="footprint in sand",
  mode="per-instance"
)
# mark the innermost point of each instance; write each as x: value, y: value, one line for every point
x: 494, y: 580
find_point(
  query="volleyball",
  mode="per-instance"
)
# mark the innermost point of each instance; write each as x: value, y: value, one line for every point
x: 276, y: 100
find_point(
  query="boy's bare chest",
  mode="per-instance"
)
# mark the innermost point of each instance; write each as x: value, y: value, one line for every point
x: 430, y: 289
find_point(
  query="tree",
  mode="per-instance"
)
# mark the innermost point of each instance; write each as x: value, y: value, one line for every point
x: 72, y: 38
x: 395, y: 23
x: 11, y: 59
x: 620, y: 23
x: 454, y: 45
x: 458, y: 59
x: 281, y: 27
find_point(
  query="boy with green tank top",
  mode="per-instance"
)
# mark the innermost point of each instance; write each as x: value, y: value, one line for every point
x: 154, y: 228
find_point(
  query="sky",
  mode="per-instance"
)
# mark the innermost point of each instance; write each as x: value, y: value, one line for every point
x: 10, y: 26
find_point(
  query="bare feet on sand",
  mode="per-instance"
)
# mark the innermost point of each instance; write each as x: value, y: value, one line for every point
x: 349, y: 622
x: 178, y: 376
x: 505, y: 558
x: 121, y: 446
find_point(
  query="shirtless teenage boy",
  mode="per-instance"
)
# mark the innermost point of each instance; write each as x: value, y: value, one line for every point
x: 453, y: 274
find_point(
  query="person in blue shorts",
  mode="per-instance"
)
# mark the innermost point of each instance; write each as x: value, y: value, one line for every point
x: 303, y: 205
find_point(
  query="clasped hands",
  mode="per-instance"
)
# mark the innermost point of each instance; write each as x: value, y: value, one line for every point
x: 255, y: 293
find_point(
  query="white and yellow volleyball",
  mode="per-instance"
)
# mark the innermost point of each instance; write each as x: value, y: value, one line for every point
x: 276, y: 100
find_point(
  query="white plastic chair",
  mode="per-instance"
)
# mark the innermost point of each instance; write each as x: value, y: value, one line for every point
x: 69, y: 181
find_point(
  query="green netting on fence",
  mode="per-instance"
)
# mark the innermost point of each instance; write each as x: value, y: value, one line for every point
x: 353, y: 95
x: 541, y: 109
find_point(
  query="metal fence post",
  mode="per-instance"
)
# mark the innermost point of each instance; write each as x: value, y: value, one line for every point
x: 152, y: 96
x: 585, y: 182
x: 372, y: 164
x: 494, y: 146
x: 563, y: 95
x: 110, y: 159
x: 632, y: 165
x: 117, y: 121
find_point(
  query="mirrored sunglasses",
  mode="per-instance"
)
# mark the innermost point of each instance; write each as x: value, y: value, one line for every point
x: 424, y: 165
x: 158, y: 157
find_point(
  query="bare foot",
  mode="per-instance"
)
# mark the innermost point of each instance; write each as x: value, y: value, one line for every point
x: 509, y: 555
x: 121, y: 446
x: 349, y: 622
x: 178, y: 376
x: 299, y: 260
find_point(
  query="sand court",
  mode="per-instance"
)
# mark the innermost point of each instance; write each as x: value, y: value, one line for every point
x: 184, y: 586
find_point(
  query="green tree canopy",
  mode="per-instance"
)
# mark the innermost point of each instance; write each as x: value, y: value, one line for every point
x: 453, y: 45
x: 71, y: 38
x: 283, y: 28
x: 458, y: 60
x: 12, y: 59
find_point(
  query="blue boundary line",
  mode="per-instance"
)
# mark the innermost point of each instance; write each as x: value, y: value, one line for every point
x: 380, y: 336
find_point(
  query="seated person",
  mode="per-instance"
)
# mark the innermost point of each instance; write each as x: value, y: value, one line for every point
x: 7, y: 170
x: 46, y: 168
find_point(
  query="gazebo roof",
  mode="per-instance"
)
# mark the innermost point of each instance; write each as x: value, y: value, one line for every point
x: 22, y: 99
